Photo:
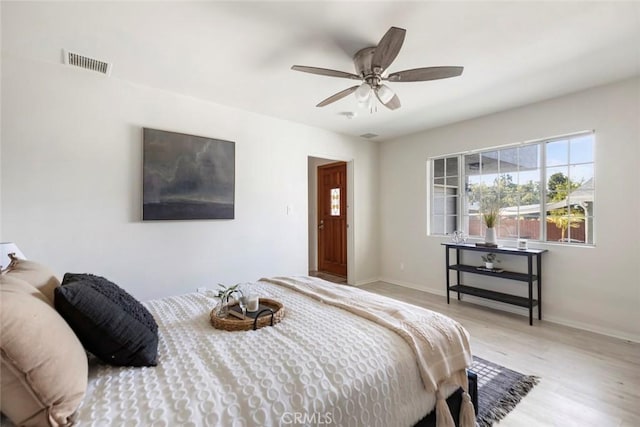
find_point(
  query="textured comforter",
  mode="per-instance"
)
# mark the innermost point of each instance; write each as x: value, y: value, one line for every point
x: 321, y: 365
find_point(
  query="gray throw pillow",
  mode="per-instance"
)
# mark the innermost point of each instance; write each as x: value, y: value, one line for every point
x: 109, y: 322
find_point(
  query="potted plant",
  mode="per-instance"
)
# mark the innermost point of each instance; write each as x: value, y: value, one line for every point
x: 490, y: 217
x: 222, y: 309
x: 489, y: 259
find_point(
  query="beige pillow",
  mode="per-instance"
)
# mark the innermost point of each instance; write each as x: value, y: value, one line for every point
x: 44, y: 368
x: 12, y: 284
x: 37, y: 275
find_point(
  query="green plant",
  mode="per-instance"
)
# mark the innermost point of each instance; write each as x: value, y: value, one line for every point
x: 564, y: 219
x: 490, y: 257
x: 490, y: 216
x: 226, y: 292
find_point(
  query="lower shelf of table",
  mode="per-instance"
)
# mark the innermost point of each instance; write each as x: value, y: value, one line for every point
x: 492, y: 295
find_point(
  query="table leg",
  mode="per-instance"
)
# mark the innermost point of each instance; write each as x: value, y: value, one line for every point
x: 539, y: 268
x: 446, y: 270
x: 458, y: 271
x: 530, y: 266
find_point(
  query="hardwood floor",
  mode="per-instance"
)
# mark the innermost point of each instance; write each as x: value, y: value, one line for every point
x: 329, y: 277
x: 586, y: 379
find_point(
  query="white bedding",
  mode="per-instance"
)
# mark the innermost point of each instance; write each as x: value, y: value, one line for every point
x: 320, y: 366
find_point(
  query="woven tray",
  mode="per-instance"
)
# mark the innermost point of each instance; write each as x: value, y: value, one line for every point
x: 231, y: 323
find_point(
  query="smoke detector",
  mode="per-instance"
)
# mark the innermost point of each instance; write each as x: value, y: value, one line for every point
x: 82, y: 61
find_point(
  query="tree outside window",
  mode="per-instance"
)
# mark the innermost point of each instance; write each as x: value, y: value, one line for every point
x: 559, y: 189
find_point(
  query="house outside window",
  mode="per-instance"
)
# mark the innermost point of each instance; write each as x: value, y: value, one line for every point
x: 542, y: 190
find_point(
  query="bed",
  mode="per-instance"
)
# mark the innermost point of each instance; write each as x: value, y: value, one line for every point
x: 321, y: 365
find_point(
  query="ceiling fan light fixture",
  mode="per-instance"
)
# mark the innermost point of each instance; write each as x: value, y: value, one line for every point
x: 363, y: 93
x: 385, y: 94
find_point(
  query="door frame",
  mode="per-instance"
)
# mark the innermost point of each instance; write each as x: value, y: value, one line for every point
x: 312, y: 217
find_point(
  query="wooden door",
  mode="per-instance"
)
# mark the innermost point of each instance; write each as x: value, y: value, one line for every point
x: 332, y: 218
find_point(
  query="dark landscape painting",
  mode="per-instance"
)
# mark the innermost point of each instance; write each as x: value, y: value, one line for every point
x: 187, y: 177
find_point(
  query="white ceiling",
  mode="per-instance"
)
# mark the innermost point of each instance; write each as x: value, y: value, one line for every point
x: 239, y: 54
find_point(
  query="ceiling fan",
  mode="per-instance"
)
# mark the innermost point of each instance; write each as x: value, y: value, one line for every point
x: 371, y: 64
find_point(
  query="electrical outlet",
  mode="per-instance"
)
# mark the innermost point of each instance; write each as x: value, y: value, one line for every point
x: 402, y: 266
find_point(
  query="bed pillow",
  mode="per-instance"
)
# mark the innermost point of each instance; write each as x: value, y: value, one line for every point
x: 37, y: 275
x: 109, y: 322
x: 12, y: 284
x: 44, y: 367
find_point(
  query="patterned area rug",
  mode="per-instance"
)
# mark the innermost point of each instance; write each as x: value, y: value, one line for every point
x: 499, y: 390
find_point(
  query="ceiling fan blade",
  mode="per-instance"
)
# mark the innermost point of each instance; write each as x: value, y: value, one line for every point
x: 424, y: 74
x: 383, y: 93
x: 388, y: 49
x: 325, y: 72
x: 337, y: 96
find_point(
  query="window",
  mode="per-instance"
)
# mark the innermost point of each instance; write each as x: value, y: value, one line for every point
x: 542, y: 191
x: 335, y: 202
x: 445, y: 195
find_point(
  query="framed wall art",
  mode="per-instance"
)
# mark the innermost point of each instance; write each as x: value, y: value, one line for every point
x: 187, y: 177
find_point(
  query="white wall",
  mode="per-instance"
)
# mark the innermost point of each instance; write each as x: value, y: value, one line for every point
x: 72, y: 172
x: 70, y: 168
x: 593, y: 288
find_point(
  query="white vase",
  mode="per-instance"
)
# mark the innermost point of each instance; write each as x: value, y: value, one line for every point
x: 488, y: 265
x: 490, y: 236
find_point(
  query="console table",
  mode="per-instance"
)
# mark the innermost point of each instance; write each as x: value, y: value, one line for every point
x: 528, y: 277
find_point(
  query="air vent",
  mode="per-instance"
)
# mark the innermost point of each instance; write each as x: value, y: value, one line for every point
x: 88, y: 63
x: 368, y: 135
x: 348, y: 114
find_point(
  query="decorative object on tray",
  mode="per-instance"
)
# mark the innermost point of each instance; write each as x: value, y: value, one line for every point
x: 269, y: 312
x: 248, y: 298
x: 458, y: 237
x: 224, y: 295
x: 489, y: 259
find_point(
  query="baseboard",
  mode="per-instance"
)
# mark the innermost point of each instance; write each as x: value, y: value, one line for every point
x: 413, y: 286
x: 591, y: 328
x: 366, y: 281
x: 520, y: 311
